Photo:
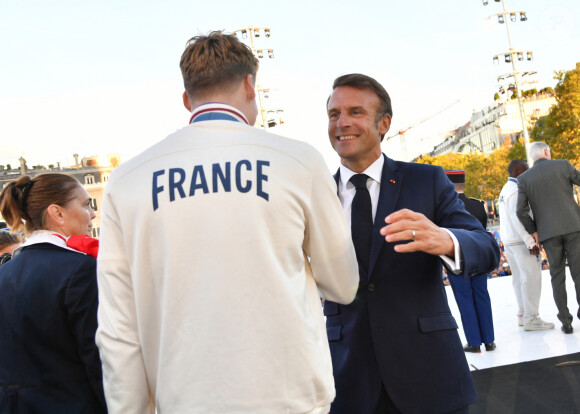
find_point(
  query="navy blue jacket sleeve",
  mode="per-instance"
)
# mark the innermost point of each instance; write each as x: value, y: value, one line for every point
x: 479, y: 250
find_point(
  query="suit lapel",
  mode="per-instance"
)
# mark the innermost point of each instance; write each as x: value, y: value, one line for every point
x: 391, y: 182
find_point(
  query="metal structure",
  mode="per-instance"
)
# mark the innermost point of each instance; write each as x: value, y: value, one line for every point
x: 505, y: 17
x: 268, y: 117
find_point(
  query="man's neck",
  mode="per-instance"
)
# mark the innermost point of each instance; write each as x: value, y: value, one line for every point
x: 359, y: 166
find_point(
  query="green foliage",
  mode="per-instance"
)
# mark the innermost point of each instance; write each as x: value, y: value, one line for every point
x: 561, y: 128
x: 496, y: 97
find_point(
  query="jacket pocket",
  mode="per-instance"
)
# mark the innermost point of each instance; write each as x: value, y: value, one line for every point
x: 333, y: 332
x: 330, y: 308
x: 435, y: 323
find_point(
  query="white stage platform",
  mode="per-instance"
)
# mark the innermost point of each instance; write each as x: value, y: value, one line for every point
x: 515, y: 345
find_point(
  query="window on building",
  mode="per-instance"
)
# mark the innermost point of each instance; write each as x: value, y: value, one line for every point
x: 94, y: 204
x: 89, y: 179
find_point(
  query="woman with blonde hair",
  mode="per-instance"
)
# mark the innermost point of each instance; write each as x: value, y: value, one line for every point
x: 49, y: 362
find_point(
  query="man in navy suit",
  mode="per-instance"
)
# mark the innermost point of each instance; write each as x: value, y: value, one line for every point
x: 396, y: 349
x: 471, y: 293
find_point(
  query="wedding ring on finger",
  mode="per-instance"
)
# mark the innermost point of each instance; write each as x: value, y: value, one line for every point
x: 413, y: 234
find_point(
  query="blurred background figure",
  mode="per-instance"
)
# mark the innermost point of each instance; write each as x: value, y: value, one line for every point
x: 523, y: 254
x: 505, y: 269
x: 8, y: 243
x: 49, y: 362
x: 471, y: 293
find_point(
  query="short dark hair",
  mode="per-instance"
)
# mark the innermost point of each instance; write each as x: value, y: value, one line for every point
x: 23, y: 202
x: 215, y: 61
x: 360, y: 81
x: 8, y: 239
x: 515, y: 166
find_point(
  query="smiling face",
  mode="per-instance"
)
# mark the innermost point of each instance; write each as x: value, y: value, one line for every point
x: 77, y: 215
x: 353, y: 129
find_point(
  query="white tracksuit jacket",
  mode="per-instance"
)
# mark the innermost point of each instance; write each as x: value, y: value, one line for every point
x: 214, y: 243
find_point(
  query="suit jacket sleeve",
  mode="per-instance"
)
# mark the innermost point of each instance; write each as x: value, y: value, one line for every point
x: 327, y: 240
x: 81, y: 301
x: 479, y: 250
x: 124, y: 377
x: 523, y: 209
x: 510, y: 204
x: 574, y: 174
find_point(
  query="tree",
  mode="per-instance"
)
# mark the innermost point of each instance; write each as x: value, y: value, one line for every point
x: 548, y: 89
x: 560, y: 129
x: 484, y: 175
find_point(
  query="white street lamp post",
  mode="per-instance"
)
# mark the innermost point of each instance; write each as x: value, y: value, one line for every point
x: 505, y: 17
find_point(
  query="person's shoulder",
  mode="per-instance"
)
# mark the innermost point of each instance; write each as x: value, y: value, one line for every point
x: 282, y: 142
x: 523, y: 176
x: 413, y: 168
x: 134, y: 163
x: 71, y: 254
x: 300, y: 151
x: 42, y: 253
x: 476, y: 200
x: 417, y: 166
x: 564, y: 163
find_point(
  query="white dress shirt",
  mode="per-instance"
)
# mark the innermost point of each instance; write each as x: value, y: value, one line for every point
x: 347, y: 190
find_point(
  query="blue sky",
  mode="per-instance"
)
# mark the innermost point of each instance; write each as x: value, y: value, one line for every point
x: 103, y: 77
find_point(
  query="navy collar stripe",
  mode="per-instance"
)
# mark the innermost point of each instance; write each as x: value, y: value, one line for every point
x: 217, y: 112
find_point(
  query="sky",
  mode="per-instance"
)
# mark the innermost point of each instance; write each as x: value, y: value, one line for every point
x: 102, y: 77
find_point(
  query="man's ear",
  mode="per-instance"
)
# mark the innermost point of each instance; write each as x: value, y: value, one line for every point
x: 249, y: 87
x: 186, y: 102
x: 384, y: 124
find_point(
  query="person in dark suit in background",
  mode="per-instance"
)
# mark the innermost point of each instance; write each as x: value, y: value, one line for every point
x: 396, y: 347
x: 49, y: 362
x: 547, y: 188
x: 471, y: 293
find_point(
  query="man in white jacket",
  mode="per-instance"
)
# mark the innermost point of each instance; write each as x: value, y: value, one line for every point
x: 215, y: 243
x: 522, y: 252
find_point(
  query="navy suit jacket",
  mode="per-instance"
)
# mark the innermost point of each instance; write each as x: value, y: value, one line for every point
x: 399, y: 329
x: 49, y: 362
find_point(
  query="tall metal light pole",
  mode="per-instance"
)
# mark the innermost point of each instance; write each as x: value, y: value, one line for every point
x: 251, y: 33
x: 504, y: 18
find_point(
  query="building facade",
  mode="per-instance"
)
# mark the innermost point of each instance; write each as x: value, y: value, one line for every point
x: 488, y: 129
x: 90, y: 172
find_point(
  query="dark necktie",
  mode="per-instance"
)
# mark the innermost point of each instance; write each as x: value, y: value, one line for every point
x: 362, y: 221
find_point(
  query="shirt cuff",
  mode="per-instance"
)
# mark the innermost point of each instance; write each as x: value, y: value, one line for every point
x: 530, y: 242
x: 453, y: 265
